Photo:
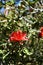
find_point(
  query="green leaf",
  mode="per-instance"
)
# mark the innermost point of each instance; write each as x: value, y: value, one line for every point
x: 5, y: 55
x: 12, y: 1
x: 20, y: 24
x: 26, y: 51
x: 1, y: 52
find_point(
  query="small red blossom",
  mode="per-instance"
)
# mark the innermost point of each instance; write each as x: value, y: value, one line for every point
x: 41, y: 32
x: 18, y: 36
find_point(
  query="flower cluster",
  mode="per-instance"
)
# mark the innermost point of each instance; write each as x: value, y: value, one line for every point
x: 18, y: 36
x: 41, y: 32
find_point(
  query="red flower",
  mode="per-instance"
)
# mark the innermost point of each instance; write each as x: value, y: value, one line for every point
x: 41, y: 32
x: 18, y: 36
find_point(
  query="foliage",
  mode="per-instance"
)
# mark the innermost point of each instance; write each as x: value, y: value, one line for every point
x: 27, y: 16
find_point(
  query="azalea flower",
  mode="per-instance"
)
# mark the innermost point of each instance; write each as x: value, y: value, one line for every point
x: 18, y: 36
x: 41, y: 32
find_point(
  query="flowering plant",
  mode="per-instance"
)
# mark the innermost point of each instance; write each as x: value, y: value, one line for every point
x: 21, y: 32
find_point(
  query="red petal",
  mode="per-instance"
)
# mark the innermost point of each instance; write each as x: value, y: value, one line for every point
x: 41, y: 29
x: 11, y: 38
x: 40, y: 34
